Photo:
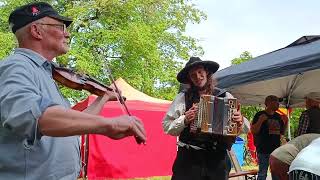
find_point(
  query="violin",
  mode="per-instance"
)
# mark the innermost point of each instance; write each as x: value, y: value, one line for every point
x: 76, y: 81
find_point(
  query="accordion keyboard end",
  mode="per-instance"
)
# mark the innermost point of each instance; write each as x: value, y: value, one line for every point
x: 214, y: 116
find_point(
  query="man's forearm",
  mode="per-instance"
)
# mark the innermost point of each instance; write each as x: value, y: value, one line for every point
x: 255, y: 128
x: 59, y: 122
x: 96, y: 107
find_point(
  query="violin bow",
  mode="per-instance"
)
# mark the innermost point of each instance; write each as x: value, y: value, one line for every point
x: 107, y: 72
x: 85, y: 156
x: 124, y: 108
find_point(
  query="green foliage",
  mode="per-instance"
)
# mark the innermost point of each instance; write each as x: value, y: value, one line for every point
x: 142, y: 40
x: 250, y: 111
x: 294, y: 120
x: 247, y: 111
x: 7, y: 44
x: 245, y: 56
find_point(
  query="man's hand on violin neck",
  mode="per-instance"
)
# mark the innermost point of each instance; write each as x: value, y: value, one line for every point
x: 124, y: 126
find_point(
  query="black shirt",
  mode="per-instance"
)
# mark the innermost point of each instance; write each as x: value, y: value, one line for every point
x: 268, y: 138
x: 314, y: 123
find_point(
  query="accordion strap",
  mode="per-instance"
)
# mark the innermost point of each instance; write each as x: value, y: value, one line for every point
x: 219, y: 92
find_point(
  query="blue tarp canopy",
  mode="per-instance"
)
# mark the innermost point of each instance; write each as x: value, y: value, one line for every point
x: 289, y: 73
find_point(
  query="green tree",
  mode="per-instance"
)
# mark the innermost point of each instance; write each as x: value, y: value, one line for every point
x: 142, y: 40
x: 245, y: 56
x: 247, y: 111
x: 294, y: 120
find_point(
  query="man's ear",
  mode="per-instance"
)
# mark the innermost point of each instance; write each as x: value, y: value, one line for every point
x: 36, y: 32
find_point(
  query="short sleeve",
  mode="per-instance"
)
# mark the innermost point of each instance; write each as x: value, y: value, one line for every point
x: 256, y: 117
x: 21, y: 101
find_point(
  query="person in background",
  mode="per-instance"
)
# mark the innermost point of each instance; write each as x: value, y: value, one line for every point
x: 309, y: 119
x: 306, y: 165
x: 282, y: 157
x: 38, y: 129
x: 200, y: 156
x: 267, y: 128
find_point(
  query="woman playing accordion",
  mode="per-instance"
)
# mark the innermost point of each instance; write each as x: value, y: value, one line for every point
x: 202, y: 152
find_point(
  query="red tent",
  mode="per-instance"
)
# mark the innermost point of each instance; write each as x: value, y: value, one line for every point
x: 125, y: 158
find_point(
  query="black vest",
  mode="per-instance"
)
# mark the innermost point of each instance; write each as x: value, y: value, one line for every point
x: 206, y: 141
x: 314, y: 120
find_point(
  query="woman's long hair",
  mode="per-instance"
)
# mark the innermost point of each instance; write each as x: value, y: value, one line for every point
x: 192, y: 94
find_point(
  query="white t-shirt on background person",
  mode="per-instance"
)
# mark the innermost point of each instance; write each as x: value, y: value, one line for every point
x: 308, y: 159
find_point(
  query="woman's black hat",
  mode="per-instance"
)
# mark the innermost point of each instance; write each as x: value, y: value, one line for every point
x: 210, y: 66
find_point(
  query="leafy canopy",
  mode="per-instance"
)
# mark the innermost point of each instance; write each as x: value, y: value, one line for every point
x: 142, y: 41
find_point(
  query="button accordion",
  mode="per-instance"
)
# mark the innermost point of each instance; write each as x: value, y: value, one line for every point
x: 214, y: 116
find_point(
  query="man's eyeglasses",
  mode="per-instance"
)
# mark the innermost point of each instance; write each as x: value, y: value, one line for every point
x: 63, y: 27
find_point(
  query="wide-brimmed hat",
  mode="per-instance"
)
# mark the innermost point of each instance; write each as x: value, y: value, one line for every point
x: 210, y: 66
x: 28, y: 13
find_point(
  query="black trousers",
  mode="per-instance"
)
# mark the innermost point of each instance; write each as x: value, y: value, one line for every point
x: 191, y: 164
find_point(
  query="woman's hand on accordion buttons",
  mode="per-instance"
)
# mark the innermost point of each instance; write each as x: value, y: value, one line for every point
x: 237, y: 118
x: 190, y: 115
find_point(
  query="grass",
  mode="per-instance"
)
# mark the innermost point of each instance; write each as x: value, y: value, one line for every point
x: 246, y: 167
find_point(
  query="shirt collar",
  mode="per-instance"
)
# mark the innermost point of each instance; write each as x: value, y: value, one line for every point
x: 32, y: 55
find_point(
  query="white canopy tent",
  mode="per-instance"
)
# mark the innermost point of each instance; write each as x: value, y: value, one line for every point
x: 289, y: 73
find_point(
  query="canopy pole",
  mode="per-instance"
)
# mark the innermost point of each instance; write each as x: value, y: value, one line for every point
x: 289, y: 131
x: 288, y: 102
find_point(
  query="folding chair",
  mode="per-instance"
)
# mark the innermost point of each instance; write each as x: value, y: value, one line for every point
x: 248, y: 174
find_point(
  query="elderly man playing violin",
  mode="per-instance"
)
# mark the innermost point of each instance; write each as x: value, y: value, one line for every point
x: 38, y: 130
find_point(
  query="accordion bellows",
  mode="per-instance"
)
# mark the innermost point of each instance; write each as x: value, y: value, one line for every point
x: 214, y: 116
